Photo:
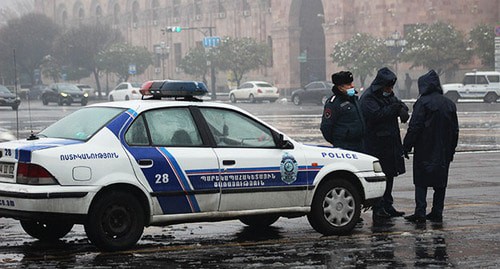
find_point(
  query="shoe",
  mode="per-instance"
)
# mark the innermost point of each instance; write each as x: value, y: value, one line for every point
x: 434, y: 217
x: 394, y: 213
x: 381, y: 214
x: 415, y: 219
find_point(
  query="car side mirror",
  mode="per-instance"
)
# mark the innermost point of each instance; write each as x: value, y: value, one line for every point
x: 284, y: 144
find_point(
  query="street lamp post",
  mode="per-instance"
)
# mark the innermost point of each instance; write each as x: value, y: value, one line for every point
x: 396, y: 44
x: 162, y: 51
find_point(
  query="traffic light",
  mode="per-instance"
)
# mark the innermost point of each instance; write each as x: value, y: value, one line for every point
x: 174, y: 29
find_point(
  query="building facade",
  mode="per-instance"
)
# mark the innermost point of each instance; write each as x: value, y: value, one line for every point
x: 301, y: 33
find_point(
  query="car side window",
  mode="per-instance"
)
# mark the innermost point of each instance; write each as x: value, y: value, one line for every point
x: 172, y: 127
x: 137, y: 133
x: 481, y: 80
x: 494, y: 79
x: 469, y: 80
x: 232, y: 129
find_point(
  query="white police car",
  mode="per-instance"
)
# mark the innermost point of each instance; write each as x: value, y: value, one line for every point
x: 118, y: 167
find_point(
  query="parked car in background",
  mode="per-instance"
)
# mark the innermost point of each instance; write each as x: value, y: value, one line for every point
x: 64, y: 93
x: 316, y: 92
x: 125, y: 91
x: 7, y: 98
x: 92, y: 94
x: 35, y: 92
x: 254, y: 91
x: 483, y: 85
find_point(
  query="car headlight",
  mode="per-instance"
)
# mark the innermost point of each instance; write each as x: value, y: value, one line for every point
x: 63, y: 94
x: 377, y: 168
x: 85, y: 95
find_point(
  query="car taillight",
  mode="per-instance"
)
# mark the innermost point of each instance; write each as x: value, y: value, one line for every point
x: 259, y: 90
x: 134, y: 92
x: 33, y: 174
x: 146, y: 88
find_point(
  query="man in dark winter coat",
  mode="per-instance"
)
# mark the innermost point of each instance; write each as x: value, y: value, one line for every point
x: 433, y: 133
x: 381, y: 110
x: 342, y: 123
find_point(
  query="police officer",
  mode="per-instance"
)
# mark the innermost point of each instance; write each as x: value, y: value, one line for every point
x: 381, y: 109
x: 342, y: 123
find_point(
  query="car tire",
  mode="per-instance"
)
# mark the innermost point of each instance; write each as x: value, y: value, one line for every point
x: 127, y: 98
x: 490, y: 97
x: 115, y: 221
x: 45, y: 101
x: 46, y: 231
x: 251, y: 98
x: 232, y: 98
x: 15, y: 107
x: 259, y: 221
x: 60, y: 102
x: 296, y: 100
x: 84, y: 102
x: 453, y: 96
x: 336, y: 207
x: 273, y: 100
x: 111, y: 99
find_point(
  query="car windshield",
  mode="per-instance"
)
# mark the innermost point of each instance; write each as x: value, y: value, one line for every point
x: 263, y: 85
x: 81, y: 124
x: 4, y: 89
x: 68, y: 88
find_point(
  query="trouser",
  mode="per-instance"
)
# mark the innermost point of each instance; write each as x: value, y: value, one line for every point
x: 437, y: 201
x: 386, y: 201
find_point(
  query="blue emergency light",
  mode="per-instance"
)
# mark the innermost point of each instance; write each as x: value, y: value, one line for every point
x: 185, y: 90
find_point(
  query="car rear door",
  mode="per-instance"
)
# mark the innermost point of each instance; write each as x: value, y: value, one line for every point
x: 175, y: 161
x: 255, y: 173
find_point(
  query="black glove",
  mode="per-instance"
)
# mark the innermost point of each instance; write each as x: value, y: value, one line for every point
x: 405, y: 154
x: 403, y: 114
x: 396, y: 107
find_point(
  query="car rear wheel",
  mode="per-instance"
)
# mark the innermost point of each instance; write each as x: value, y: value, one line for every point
x: 453, y: 96
x: 490, y: 97
x: 45, y: 101
x: 232, y: 98
x: 336, y: 207
x: 259, y: 221
x: 127, y: 98
x: 46, y: 231
x: 251, y: 98
x: 115, y: 221
x: 296, y: 100
x: 15, y: 107
x: 111, y: 98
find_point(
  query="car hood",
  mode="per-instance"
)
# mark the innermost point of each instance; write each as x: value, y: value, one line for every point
x: 7, y: 95
x: 21, y: 150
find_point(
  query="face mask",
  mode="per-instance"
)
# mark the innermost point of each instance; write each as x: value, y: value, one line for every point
x: 386, y: 94
x: 351, y: 92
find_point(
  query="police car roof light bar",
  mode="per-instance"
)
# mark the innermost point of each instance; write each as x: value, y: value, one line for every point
x: 179, y: 90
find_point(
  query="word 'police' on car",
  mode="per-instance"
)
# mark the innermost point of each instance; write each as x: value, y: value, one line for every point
x: 118, y: 167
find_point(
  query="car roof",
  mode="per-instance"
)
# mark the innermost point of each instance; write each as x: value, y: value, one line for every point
x: 256, y: 81
x: 483, y: 73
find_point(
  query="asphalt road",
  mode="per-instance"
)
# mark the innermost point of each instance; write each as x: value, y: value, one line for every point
x: 468, y: 238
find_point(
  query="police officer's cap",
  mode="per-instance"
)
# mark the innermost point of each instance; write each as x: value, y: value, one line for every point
x: 342, y: 77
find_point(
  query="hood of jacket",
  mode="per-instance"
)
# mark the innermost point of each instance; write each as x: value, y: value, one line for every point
x: 429, y: 83
x: 385, y: 77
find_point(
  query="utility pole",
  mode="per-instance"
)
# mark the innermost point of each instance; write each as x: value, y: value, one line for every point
x: 202, y: 29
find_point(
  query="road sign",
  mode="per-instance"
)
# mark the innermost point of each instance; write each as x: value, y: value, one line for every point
x: 211, y: 41
x: 131, y: 69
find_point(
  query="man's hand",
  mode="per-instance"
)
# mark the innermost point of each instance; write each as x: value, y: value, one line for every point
x: 405, y: 154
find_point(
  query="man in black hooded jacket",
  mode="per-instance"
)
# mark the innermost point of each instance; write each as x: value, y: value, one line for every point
x: 381, y: 110
x: 433, y: 134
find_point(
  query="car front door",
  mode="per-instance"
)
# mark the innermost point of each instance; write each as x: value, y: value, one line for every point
x: 255, y: 173
x: 175, y: 161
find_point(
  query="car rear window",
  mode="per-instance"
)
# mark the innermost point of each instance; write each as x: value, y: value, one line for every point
x: 263, y: 85
x: 81, y: 124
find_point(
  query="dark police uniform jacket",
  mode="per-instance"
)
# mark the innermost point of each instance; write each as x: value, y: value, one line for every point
x: 342, y: 122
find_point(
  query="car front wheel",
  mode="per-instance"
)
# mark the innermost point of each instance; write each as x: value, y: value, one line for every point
x: 115, y: 221
x: 46, y: 231
x: 336, y: 207
x: 251, y: 98
x: 490, y: 97
x: 232, y: 98
x: 296, y: 100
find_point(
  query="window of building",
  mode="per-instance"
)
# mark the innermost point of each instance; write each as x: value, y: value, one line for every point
x: 197, y: 7
x: 135, y: 12
x: 177, y: 53
x: 116, y: 14
x: 155, y: 6
x: 220, y: 7
x: 176, y: 8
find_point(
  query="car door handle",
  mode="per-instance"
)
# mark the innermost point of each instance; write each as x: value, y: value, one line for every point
x: 145, y: 163
x: 228, y: 162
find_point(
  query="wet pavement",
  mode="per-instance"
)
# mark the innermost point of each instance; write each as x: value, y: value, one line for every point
x: 469, y: 237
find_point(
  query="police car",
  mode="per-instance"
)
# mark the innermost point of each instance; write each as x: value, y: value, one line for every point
x: 119, y: 167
